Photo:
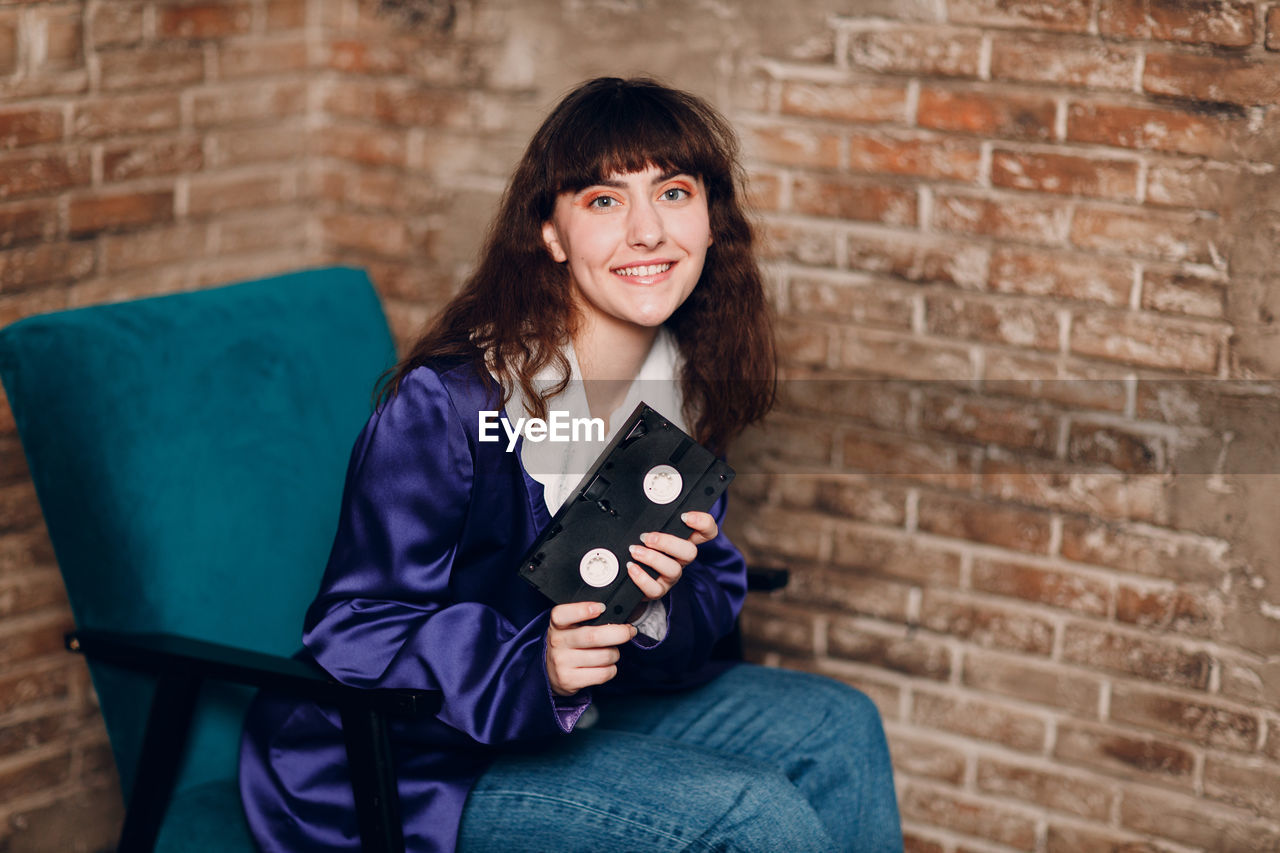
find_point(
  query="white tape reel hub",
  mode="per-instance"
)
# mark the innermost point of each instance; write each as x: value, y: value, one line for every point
x: 663, y: 484
x: 598, y: 567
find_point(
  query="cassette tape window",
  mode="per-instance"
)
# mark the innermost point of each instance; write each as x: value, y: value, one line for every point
x: 619, y: 269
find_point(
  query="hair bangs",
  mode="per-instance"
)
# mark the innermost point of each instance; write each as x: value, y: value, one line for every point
x: 618, y: 126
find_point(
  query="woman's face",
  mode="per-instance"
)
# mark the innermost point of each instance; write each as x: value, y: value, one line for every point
x: 634, y: 244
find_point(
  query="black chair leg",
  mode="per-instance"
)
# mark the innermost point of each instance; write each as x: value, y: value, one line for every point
x: 167, y: 725
x: 373, y: 778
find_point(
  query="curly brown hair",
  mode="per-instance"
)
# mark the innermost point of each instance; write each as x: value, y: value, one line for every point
x: 515, y: 313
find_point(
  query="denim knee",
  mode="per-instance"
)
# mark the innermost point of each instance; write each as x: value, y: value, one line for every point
x: 767, y: 814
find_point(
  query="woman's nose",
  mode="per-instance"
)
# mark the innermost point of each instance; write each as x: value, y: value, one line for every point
x: 645, y: 228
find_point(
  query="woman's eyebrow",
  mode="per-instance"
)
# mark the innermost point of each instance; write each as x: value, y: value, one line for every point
x: 617, y: 184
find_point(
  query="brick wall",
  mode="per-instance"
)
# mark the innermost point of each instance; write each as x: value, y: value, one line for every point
x: 1025, y: 473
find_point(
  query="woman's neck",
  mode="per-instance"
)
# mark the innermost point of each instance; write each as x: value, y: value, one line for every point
x: 609, y: 359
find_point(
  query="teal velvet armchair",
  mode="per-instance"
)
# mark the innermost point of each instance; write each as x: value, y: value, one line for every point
x: 188, y: 453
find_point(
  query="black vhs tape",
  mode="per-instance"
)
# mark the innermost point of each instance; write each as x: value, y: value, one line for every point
x: 649, y: 474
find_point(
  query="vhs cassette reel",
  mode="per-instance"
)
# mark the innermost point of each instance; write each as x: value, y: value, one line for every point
x: 647, y: 476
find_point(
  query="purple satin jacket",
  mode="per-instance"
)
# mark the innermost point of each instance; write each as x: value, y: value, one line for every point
x: 421, y: 591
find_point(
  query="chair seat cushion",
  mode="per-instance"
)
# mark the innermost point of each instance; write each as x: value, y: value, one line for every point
x: 206, y: 818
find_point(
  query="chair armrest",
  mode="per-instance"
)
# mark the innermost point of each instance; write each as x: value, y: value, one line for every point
x: 766, y: 578
x: 161, y: 653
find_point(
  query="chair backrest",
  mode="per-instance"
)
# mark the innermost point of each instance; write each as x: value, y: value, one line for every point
x: 188, y: 452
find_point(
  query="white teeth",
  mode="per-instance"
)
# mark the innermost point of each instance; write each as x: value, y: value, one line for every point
x: 649, y: 269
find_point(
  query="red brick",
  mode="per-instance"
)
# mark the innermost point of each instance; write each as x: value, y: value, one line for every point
x: 791, y: 535
x: 1179, y: 611
x: 203, y: 20
x: 126, y: 161
x: 275, y: 143
x: 870, y: 401
x: 1020, y: 14
x: 1183, y: 293
x: 913, y: 843
x: 367, y: 145
x: 119, y: 210
x: 1148, y: 340
x: 990, y: 626
x: 32, y: 640
x: 1076, y: 839
x: 30, y: 174
x: 1058, y: 60
x: 913, y: 655
x: 153, y: 247
x: 256, y: 231
x: 885, y: 353
x: 1148, y: 658
x: 795, y: 146
x: 904, y: 559
x: 1046, y: 379
x: 1273, y: 28
x: 802, y: 344
x: 1168, y: 235
x: 924, y: 51
x: 1010, y: 116
x: 1195, y: 183
x: 943, y: 157
x: 1032, y: 681
x: 844, y: 591
x: 108, y: 116
x: 1066, y: 175
x: 845, y: 300
x: 1068, y: 590
x: 1211, y: 78
x: 117, y: 23
x: 8, y: 42
x: 14, y: 308
x: 811, y: 245
x: 764, y: 191
x: 991, y: 524
x: 1153, y: 552
x: 1126, y: 755
x: 1065, y: 276
x: 1225, y: 23
x: 29, y: 126
x: 1196, y: 720
x: 979, y: 720
x: 212, y: 194
x: 1057, y: 485
x: 986, y: 420
x: 44, y: 263
x: 861, y: 101
x: 363, y: 56
x: 1118, y: 447
x: 38, y: 774
x: 779, y: 626
x: 286, y: 14
x: 1009, y: 218
x: 22, y: 222
x: 1248, y: 785
x: 1154, y: 128
x: 255, y: 102
x: 927, y: 759
x: 889, y: 455
x: 966, y: 814
x: 166, y: 66
x: 27, y: 690
x: 1072, y: 794
x: 63, y: 39
x: 852, y: 198
x: 1193, y: 822
x: 999, y: 321
x: 920, y: 258
x: 260, y: 58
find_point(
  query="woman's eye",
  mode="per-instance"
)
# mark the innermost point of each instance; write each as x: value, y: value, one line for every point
x: 602, y: 202
x: 675, y: 194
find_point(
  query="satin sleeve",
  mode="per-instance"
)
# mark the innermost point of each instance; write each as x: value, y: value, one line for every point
x: 385, y: 616
x: 701, y: 609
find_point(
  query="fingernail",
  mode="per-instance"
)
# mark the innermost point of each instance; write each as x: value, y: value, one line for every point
x: 635, y: 549
x: 644, y: 537
x: 686, y: 517
x: 631, y: 565
x: 599, y: 607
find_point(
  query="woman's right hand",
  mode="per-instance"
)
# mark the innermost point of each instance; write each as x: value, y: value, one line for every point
x: 580, y: 655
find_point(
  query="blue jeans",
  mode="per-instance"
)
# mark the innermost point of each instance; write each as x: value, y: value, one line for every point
x: 757, y: 760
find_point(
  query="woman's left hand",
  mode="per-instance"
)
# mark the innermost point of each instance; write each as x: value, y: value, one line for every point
x: 668, y: 555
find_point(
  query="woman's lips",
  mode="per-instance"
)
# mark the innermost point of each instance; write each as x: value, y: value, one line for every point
x: 649, y: 273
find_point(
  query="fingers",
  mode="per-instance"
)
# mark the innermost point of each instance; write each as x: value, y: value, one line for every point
x: 567, y: 615
x: 703, y: 524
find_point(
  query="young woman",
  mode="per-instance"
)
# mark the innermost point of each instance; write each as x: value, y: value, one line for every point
x: 619, y: 266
